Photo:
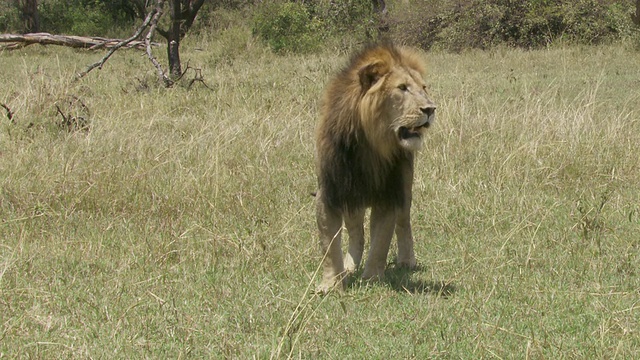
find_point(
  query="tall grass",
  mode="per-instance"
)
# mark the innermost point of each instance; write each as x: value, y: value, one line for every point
x: 180, y: 225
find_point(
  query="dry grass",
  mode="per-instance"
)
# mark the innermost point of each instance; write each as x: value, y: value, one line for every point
x: 180, y: 225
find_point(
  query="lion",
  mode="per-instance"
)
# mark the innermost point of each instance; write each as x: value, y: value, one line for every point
x: 373, y: 117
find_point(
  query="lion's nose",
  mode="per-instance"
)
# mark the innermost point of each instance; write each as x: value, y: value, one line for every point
x: 428, y: 110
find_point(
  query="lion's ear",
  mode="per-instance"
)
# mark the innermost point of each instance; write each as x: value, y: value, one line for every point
x: 371, y: 73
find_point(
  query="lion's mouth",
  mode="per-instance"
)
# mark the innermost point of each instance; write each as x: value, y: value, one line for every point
x: 412, y: 132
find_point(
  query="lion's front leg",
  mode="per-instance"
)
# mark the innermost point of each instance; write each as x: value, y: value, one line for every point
x: 406, y: 255
x: 383, y: 221
x: 330, y: 226
x: 354, y: 221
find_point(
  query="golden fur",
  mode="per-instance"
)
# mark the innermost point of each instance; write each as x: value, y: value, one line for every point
x: 374, y: 114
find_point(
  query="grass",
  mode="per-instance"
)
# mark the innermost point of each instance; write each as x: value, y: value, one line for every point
x: 180, y: 225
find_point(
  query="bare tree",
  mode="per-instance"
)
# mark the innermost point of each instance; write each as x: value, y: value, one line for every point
x: 183, y: 14
x: 30, y: 15
x: 379, y: 6
x: 149, y: 25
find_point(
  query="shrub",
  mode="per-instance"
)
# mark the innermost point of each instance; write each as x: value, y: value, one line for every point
x: 410, y: 26
x: 9, y: 18
x: 355, y: 17
x: 288, y: 27
x: 85, y: 17
x: 305, y: 26
x: 459, y: 24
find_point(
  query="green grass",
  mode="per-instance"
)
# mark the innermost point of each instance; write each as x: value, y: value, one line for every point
x: 180, y: 225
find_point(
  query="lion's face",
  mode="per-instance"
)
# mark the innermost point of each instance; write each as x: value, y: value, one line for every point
x: 395, y: 107
x: 409, y: 109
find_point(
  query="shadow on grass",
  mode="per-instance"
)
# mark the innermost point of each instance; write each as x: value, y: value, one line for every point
x: 400, y: 280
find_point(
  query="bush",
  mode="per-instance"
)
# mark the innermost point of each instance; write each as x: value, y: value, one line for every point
x: 9, y: 18
x: 459, y: 24
x: 305, y: 26
x: 287, y: 27
x: 354, y: 17
x: 84, y: 17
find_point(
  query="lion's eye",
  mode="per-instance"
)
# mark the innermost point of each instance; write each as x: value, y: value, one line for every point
x: 403, y: 87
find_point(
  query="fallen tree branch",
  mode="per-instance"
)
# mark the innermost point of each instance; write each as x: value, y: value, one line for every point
x: 9, y: 113
x: 17, y: 41
x: 197, y: 77
x: 122, y: 43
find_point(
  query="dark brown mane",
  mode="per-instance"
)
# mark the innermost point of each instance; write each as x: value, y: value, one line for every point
x: 354, y: 177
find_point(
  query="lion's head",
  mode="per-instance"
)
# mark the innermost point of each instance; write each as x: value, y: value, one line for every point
x: 395, y: 108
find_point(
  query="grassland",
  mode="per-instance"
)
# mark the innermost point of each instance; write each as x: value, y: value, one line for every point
x: 180, y: 225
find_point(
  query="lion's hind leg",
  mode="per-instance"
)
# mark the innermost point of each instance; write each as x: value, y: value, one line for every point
x: 354, y: 221
x: 330, y: 226
x: 406, y: 255
x: 383, y: 221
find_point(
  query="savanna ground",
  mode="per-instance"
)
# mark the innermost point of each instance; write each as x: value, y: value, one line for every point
x: 180, y: 225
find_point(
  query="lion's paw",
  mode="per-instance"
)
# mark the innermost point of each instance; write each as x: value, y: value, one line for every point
x: 373, y: 274
x: 350, y: 266
x: 326, y: 286
x: 407, y: 263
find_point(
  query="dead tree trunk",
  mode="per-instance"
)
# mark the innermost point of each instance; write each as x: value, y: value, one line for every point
x: 379, y: 6
x: 173, y: 39
x: 30, y: 16
x: 183, y: 14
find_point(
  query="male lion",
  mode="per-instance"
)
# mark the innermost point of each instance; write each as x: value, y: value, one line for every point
x: 374, y: 114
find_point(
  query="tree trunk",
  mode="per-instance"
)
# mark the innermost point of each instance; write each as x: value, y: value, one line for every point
x: 173, y: 47
x: 183, y: 14
x: 30, y: 16
x: 636, y: 18
x: 379, y: 6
